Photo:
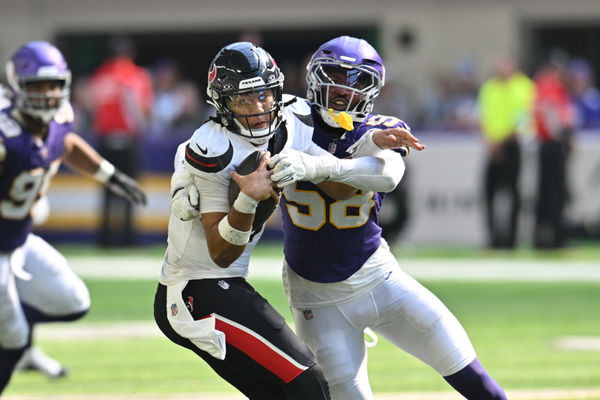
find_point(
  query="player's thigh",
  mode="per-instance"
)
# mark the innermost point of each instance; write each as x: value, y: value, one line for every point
x: 415, y: 320
x: 251, y: 325
x: 14, y: 330
x: 53, y: 289
x: 337, y: 343
x: 237, y: 368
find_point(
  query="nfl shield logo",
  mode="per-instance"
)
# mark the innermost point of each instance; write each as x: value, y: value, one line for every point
x: 308, y: 314
x: 332, y: 146
x: 223, y: 284
x: 174, y: 310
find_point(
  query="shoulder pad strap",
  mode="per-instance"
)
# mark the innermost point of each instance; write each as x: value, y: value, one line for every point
x: 208, y: 164
x: 279, y: 139
x: 305, y: 119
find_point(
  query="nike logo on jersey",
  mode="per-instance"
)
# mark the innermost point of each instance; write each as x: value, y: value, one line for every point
x: 203, y: 151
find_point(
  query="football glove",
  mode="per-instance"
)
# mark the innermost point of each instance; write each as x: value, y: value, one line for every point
x: 124, y: 186
x: 185, y: 199
x: 292, y: 165
x: 185, y: 203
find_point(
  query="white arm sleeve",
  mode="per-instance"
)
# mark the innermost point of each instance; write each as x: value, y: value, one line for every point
x: 214, y: 193
x: 377, y: 174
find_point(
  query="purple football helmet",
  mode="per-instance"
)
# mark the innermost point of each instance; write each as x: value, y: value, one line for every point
x: 349, y: 65
x: 35, y: 62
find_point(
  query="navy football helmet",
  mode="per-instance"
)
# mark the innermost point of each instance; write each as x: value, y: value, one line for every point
x: 241, y: 69
x: 351, y: 65
x: 35, y: 62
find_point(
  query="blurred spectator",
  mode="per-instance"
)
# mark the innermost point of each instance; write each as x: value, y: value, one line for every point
x: 394, y: 100
x: 505, y: 103
x: 453, y: 105
x: 554, y: 120
x: 585, y: 94
x: 81, y: 101
x: 176, y: 102
x: 252, y: 36
x: 121, y: 98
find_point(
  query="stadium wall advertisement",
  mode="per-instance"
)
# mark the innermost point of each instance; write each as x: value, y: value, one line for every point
x: 444, y: 185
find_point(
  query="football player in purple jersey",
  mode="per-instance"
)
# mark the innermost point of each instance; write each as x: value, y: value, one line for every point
x: 36, y: 135
x: 339, y: 274
x: 203, y: 301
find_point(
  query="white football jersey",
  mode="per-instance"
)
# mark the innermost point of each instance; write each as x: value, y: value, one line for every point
x: 217, y: 152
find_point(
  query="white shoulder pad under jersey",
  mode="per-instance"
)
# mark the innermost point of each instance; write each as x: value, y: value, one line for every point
x: 210, y: 156
x: 179, y: 161
x: 299, y: 124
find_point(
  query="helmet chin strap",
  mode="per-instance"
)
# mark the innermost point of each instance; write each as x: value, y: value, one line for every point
x: 248, y: 134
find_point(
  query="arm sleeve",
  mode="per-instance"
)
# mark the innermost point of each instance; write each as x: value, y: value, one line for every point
x: 377, y: 174
x: 213, y: 191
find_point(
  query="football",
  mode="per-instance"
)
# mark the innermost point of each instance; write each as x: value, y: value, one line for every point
x: 266, y: 207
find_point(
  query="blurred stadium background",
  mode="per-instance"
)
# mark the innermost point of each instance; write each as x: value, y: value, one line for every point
x: 517, y: 305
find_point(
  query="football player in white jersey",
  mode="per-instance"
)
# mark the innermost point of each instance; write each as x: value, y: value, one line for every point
x: 36, y: 283
x: 339, y: 274
x: 203, y: 301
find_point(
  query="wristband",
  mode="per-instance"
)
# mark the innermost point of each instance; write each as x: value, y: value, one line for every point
x: 245, y: 204
x: 105, y: 171
x: 232, y: 235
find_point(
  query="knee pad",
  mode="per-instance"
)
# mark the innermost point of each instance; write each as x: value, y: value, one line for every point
x: 74, y: 301
x: 15, y: 336
x: 80, y: 299
x: 310, y: 384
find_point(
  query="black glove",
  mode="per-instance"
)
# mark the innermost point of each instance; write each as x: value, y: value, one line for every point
x: 122, y: 185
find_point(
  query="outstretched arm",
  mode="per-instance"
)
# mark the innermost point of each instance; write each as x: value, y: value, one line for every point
x: 380, y: 173
x: 82, y: 157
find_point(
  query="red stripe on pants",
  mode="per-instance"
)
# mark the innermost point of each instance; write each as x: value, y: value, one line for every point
x: 259, y: 351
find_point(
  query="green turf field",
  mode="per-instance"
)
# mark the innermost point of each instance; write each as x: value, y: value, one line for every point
x: 516, y: 328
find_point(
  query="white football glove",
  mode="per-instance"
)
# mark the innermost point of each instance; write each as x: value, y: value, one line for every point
x: 185, y: 200
x: 292, y: 165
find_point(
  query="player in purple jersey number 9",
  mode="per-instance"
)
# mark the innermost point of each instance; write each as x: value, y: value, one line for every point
x: 36, y: 283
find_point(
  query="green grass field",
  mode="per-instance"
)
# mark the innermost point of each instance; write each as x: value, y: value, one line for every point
x: 515, y: 327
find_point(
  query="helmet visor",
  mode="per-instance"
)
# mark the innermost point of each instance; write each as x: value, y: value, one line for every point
x: 352, y: 78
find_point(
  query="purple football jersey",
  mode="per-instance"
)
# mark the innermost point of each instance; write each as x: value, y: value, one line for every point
x: 327, y: 240
x: 26, y: 166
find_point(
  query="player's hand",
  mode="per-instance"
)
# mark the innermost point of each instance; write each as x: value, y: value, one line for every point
x: 126, y: 187
x: 257, y: 184
x: 185, y: 203
x: 394, y: 138
x: 292, y: 165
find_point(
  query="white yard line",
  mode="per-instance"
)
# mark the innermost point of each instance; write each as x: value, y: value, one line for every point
x: 584, y: 343
x: 527, y: 394
x: 69, y: 331
x: 109, y: 267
